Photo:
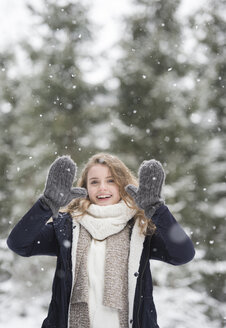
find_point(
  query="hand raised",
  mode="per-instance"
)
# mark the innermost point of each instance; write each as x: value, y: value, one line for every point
x: 148, y: 194
x: 58, y: 189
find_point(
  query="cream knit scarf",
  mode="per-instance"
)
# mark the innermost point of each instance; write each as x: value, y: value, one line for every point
x: 104, y: 221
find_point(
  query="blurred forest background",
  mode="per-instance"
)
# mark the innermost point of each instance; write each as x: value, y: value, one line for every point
x: 164, y: 98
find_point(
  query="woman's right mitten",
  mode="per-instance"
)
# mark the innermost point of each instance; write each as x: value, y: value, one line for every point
x: 58, y: 190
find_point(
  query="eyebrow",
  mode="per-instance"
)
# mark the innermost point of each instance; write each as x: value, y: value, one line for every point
x: 98, y: 178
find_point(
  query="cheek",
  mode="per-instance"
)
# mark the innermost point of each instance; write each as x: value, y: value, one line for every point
x: 116, y: 192
x: 90, y: 191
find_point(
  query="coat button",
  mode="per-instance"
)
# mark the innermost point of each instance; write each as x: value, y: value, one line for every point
x: 131, y: 321
x: 136, y: 274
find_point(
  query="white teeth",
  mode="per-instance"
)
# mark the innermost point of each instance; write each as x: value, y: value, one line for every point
x: 107, y: 196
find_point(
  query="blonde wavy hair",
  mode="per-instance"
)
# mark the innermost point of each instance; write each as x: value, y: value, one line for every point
x: 122, y: 177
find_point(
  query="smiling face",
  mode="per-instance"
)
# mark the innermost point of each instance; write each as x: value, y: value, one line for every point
x: 101, y: 186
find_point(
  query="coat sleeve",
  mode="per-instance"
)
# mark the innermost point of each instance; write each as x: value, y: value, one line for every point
x: 32, y: 235
x: 170, y: 243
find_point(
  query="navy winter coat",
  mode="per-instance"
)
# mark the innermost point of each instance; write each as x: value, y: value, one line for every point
x: 34, y: 236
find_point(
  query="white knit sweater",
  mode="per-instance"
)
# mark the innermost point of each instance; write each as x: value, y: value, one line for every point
x: 100, y: 315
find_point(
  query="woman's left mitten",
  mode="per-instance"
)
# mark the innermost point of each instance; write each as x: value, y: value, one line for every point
x: 148, y: 194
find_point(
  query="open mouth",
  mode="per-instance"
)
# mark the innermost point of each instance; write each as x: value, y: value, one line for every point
x: 104, y: 196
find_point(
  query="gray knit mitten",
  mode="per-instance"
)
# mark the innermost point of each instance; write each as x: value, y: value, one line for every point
x: 148, y: 195
x: 58, y: 189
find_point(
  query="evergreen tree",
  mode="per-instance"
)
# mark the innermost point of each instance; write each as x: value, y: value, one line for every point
x: 154, y: 103
x: 8, y: 99
x: 56, y: 110
x: 164, y: 111
x: 209, y: 29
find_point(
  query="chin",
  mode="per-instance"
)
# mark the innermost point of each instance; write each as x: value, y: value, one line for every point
x: 105, y: 203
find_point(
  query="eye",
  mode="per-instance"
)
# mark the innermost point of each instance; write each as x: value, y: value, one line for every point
x: 111, y: 180
x: 93, y: 182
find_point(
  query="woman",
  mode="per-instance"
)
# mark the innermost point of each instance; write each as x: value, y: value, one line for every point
x: 104, y: 238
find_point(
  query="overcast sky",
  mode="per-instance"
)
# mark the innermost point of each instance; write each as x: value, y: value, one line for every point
x: 15, y: 20
x: 16, y: 23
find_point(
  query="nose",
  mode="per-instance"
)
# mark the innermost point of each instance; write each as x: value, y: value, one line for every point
x: 103, y: 185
